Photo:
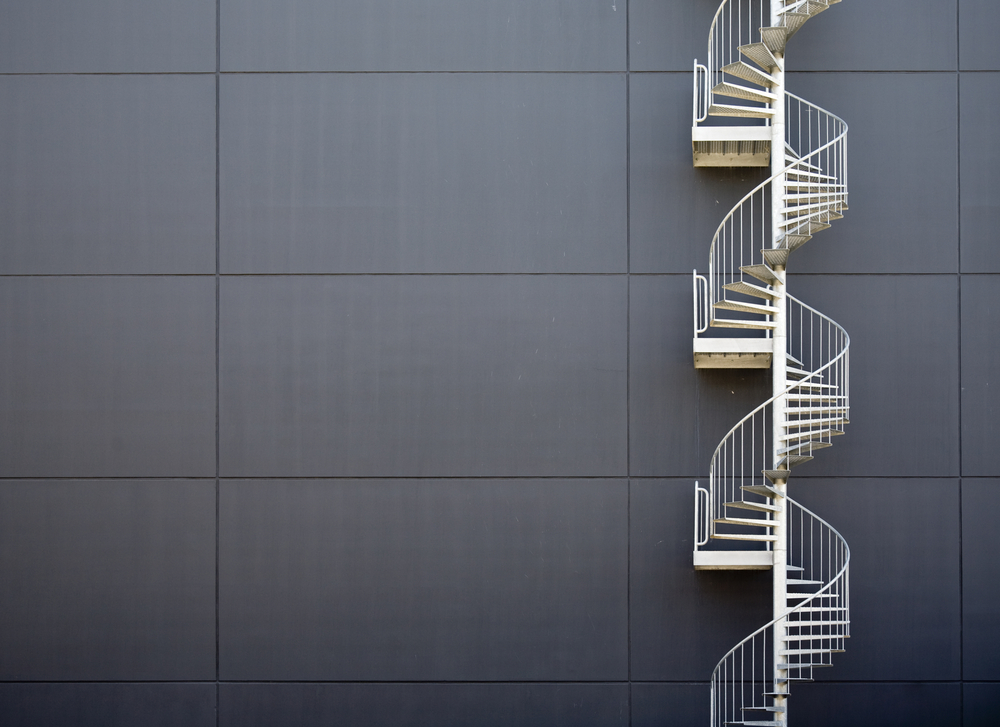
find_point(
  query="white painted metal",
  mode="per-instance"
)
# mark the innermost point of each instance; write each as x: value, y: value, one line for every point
x: 747, y: 495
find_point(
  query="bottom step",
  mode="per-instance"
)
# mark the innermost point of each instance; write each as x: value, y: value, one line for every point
x: 733, y: 559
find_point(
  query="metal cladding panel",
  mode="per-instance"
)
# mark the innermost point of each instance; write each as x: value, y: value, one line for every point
x: 654, y: 705
x: 107, y: 376
x: 980, y: 704
x: 977, y: 24
x: 892, y: 35
x: 980, y: 372
x: 424, y: 705
x: 107, y: 174
x: 432, y: 35
x: 903, y: 214
x: 107, y: 36
x: 906, y: 618
x: 423, y: 173
x: 981, y: 580
x: 416, y: 376
x: 107, y: 705
x: 437, y: 580
x: 980, y: 173
x: 878, y: 705
x: 106, y: 580
x: 682, y: 620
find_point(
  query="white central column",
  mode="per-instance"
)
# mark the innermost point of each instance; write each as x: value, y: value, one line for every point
x: 779, y: 363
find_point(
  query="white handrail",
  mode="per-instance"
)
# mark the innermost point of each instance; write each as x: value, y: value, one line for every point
x: 826, y: 344
x: 729, y: 698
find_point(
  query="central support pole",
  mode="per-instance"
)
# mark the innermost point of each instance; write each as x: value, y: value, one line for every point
x: 779, y: 364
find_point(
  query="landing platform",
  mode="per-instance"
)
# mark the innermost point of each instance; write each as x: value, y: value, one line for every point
x: 732, y: 353
x: 733, y: 559
x: 731, y: 146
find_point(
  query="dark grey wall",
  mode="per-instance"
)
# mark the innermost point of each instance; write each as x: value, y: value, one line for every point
x: 345, y: 371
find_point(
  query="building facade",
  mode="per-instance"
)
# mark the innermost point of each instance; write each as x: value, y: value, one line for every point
x: 346, y: 371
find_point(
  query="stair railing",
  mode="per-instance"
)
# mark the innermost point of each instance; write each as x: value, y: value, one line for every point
x: 815, y: 192
x: 735, y: 23
x: 745, y: 679
x: 818, y: 345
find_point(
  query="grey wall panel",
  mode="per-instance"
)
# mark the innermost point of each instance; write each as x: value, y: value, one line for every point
x: 903, y: 215
x: 887, y: 35
x: 904, y: 373
x: 107, y: 36
x: 663, y: 384
x: 435, y: 35
x: 107, y: 376
x: 674, y: 209
x: 980, y: 580
x: 980, y: 373
x: 977, y: 24
x: 423, y: 705
x: 423, y: 173
x: 677, y: 415
x: 683, y: 621
x: 655, y: 705
x: 905, y: 593
x: 980, y: 705
x: 107, y: 580
x: 107, y: 705
x: 469, y: 580
x: 668, y: 36
x: 877, y: 705
x: 423, y: 376
x: 980, y: 175
x: 107, y: 174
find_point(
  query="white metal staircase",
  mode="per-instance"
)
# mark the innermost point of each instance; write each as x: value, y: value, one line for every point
x: 746, y: 502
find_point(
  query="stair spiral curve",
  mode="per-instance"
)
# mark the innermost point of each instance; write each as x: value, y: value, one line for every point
x: 746, y: 502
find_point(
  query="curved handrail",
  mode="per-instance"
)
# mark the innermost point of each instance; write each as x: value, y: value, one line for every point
x: 837, y: 588
x: 823, y: 136
x: 724, y: 41
x: 836, y: 364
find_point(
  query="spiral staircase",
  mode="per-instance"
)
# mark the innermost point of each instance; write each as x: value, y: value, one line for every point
x: 745, y: 519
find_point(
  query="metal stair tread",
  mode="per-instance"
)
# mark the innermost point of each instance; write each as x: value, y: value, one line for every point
x: 807, y: 446
x: 774, y: 37
x: 756, y: 723
x: 741, y: 323
x: 741, y: 307
x: 796, y: 161
x: 762, y: 272
x: 794, y: 460
x: 763, y: 708
x: 810, y: 433
x: 765, y: 490
x: 751, y: 289
x: 803, y: 582
x: 745, y: 92
x: 810, y: 665
x: 756, y: 506
x: 741, y: 112
x: 808, y: 175
x: 751, y: 522
x: 814, y: 422
x: 737, y: 536
x: 749, y: 73
x: 773, y: 475
x: 775, y: 257
x: 759, y: 54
